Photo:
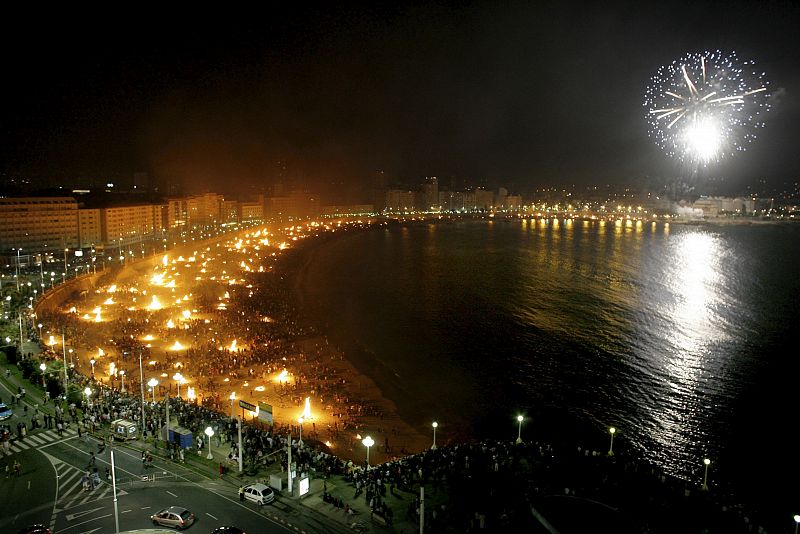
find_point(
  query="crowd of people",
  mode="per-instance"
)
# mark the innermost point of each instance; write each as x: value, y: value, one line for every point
x: 469, y: 486
x: 276, y: 358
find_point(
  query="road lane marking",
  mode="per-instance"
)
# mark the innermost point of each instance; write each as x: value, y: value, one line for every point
x: 87, y: 521
x: 212, y: 517
x: 145, y: 507
x: 57, y: 442
x: 172, y: 494
x: 76, y: 515
x: 118, y: 468
x: 126, y: 511
x: 37, y: 440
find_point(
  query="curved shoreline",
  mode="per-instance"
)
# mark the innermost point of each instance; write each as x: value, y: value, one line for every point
x: 374, y: 381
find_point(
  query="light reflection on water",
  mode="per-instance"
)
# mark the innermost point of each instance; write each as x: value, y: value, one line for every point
x: 656, y: 330
x: 689, y: 327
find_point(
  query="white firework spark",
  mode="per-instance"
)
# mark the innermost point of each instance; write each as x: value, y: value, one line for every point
x: 705, y: 106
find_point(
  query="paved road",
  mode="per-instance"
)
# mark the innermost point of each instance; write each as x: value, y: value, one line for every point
x: 50, y: 489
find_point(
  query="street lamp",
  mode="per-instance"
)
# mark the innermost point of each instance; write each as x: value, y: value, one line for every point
x: 611, y: 431
x: 519, y: 431
x: 88, y: 393
x: 796, y: 522
x: 122, y: 377
x: 368, y: 442
x: 233, y: 398
x: 42, y: 367
x: 435, y: 425
x: 177, y: 377
x: 92, y: 362
x: 40, y: 330
x: 300, y: 441
x: 705, y: 476
x: 153, y: 383
x: 209, y: 432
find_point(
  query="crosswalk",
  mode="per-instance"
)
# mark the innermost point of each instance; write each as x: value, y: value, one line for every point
x: 72, y: 490
x: 36, y: 440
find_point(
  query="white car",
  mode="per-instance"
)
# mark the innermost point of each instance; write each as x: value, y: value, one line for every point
x: 259, y: 493
x: 174, y: 516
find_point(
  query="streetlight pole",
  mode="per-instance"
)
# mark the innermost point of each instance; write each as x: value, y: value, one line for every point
x: 153, y: 383
x: 706, y: 461
x: 114, y: 489
x: 21, y: 349
x: 43, y: 367
x: 141, y: 389
x: 122, y: 375
x: 17, y: 268
x: 92, y: 362
x: 368, y: 442
x: 435, y: 425
x: 519, y: 431
x: 209, y: 432
x: 239, y: 420
x: 166, y: 403
x: 178, y: 378
x: 611, y: 431
x: 300, y: 441
x: 289, y: 461
x: 233, y: 398
x: 796, y: 523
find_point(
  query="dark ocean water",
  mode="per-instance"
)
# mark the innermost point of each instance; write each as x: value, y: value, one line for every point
x: 684, y: 338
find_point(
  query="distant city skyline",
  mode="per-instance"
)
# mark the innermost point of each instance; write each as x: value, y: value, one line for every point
x: 522, y: 96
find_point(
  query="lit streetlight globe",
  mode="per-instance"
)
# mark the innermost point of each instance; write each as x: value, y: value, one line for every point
x: 368, y: 442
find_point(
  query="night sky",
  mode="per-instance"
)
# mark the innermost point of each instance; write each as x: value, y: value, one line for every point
x: 489, y: 93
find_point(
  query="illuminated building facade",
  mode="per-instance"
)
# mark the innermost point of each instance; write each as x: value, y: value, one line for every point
x: 38, y: 224
x: 89, y: 227
x: 123, y: 225
x: 204, y: 210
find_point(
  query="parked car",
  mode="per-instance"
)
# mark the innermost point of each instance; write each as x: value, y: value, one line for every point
x: 228, y: 530
x: 259, y: 493
x: 5, y: 412
x: 174, y: 516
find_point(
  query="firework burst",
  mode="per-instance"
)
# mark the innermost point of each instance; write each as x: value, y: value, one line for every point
x: 706, y: 106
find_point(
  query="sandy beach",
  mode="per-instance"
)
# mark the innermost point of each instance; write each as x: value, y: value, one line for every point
x: 220, y: 345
